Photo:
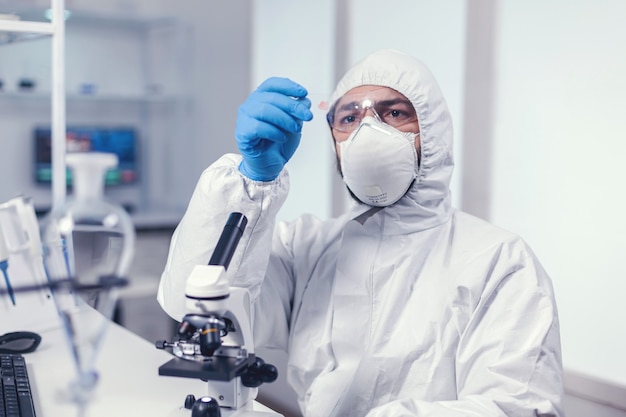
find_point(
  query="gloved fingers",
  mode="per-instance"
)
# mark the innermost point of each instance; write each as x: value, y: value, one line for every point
x: 284, y: 94
x: 299, y: 108
x: 302, y: 110
x: 283, y: 86
x: 281, y: 111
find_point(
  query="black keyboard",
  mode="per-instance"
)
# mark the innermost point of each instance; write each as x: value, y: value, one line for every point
x: 16, y: 398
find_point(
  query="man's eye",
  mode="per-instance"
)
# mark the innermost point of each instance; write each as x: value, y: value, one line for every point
x: 390, y: 114
x: 397, y: 114
x: 348, y: 119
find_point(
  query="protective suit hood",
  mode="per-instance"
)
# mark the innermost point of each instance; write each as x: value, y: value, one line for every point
x: 428, y: 200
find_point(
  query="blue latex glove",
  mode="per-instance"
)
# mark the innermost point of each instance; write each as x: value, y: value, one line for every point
x: 269, y: 126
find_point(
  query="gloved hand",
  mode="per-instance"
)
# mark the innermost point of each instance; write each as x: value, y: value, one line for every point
x: 269, y: 125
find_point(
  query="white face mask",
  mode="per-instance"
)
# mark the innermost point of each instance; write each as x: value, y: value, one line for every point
x: 378, y: 162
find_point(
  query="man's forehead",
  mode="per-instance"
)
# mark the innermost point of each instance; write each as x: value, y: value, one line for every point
x: 372, y: 92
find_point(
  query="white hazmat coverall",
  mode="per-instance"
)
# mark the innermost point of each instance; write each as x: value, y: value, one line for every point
x: 415, y: 309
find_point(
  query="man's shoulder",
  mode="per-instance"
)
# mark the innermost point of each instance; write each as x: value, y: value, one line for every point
x: 478, y: 232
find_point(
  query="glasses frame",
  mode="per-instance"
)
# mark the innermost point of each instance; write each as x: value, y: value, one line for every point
x: 361, y: 107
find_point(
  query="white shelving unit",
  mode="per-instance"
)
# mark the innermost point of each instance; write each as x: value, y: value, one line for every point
x: 137, y: 66
x: 56, y: 29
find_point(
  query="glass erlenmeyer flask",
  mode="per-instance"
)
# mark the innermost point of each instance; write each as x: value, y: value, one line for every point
x: 88, y: 248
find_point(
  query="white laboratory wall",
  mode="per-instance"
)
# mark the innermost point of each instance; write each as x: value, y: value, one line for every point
x: 558, y: 179
x: 296, y: 40
x: 220, y: 79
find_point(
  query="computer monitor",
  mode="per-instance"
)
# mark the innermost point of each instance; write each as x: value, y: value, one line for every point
x: 121, y: 141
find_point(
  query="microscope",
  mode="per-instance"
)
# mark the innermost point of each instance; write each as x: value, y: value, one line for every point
x: 214, y: 339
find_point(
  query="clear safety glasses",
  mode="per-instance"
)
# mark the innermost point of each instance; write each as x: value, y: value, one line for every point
x: 346, y: 116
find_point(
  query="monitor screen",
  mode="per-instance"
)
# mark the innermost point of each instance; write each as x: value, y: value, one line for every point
x: 121, y: 141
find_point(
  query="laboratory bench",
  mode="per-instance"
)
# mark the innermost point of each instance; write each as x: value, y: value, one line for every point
x: 129, y: 383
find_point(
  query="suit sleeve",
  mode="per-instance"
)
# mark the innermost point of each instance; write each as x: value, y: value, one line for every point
x: 221, y: 190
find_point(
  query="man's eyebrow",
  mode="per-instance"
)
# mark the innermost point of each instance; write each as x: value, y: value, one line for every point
x: 395, y: 101
x: 348, y: 106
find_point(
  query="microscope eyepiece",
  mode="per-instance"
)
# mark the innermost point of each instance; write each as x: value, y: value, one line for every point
x: 226, y: 245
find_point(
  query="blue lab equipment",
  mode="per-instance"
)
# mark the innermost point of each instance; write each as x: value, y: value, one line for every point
x: 4, y: 265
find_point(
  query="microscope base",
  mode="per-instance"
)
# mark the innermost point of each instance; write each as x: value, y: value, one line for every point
x: 183, y: 412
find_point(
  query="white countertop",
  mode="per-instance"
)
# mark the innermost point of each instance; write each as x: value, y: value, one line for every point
x: 129, y: 382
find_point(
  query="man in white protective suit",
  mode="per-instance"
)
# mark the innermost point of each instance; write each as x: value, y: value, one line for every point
x: 403, y: 306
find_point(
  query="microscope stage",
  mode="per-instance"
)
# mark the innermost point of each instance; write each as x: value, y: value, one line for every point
x: 217, y: 368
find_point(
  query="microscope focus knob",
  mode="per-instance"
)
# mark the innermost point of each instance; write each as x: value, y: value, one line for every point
x: 269, y: 373
x: 258, y: 373
x: 206, y: 407
x: 190, y: 401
